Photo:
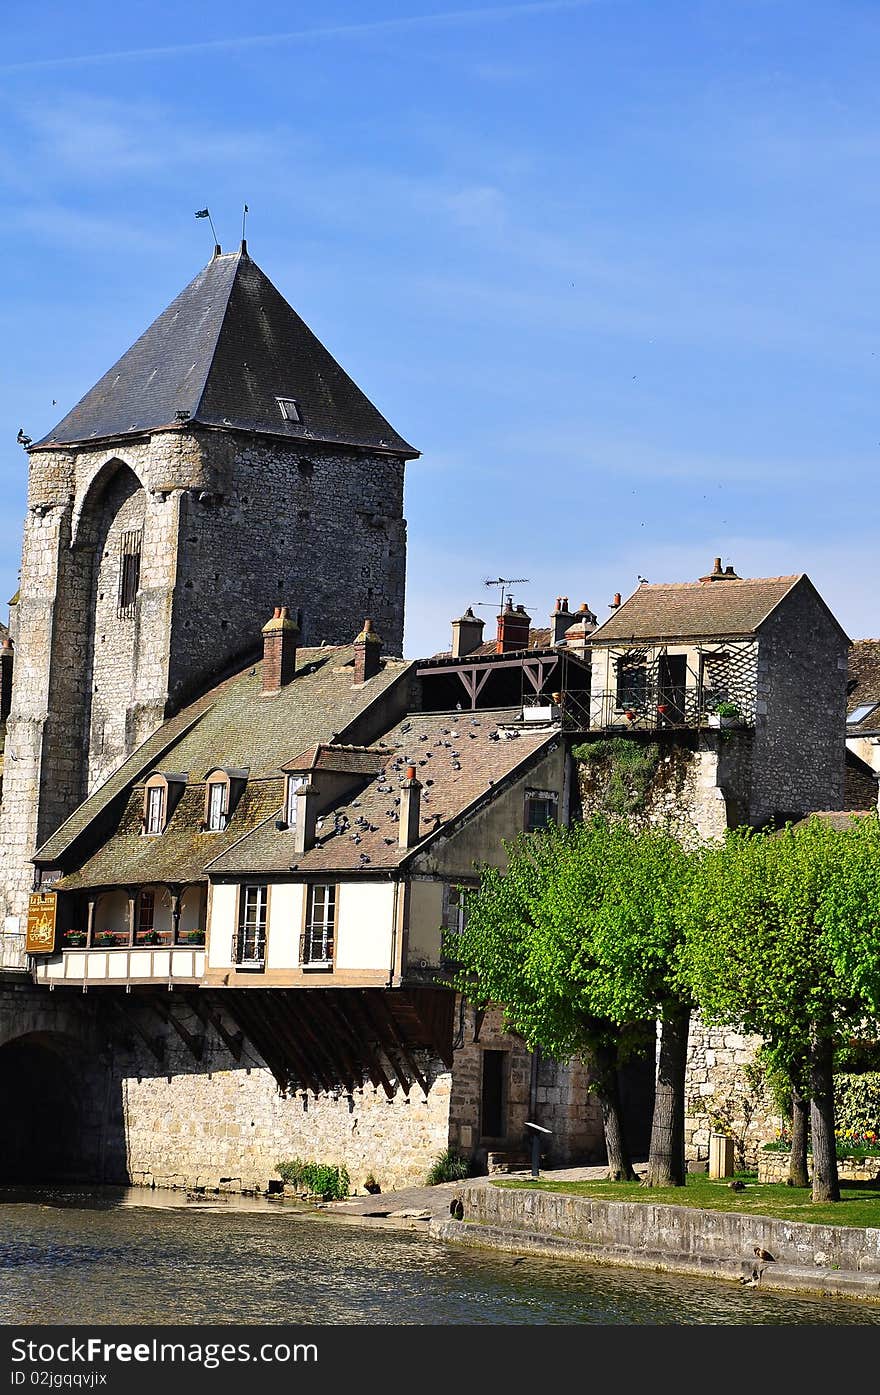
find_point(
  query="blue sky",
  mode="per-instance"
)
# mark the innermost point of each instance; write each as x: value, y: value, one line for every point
x: 612, y: 266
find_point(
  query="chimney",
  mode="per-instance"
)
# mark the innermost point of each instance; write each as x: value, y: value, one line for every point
x: 719, y: 573
x: 513, y: 629
x: 306, y: 817
x: 577, y: 636
x: 367, y: 651
x: 614, y: 603
x: 560, y: 620
x: 7, y: 660
x: 467, y: 634
x: 410, y: 809
x: 280, y: 638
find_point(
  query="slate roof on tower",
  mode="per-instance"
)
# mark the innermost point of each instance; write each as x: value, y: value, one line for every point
x: 221, y: 355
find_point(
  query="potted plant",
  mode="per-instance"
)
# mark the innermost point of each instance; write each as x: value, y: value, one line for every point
x: 150, y: 937
x: 193, y: 937
x: 726, y: 714
x: 73, y: 939
x: 106, y: 939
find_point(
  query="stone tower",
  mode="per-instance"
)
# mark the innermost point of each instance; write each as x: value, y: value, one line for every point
x: 226, y: 464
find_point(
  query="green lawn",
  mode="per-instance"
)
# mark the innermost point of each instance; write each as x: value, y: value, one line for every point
x: 859, y: 1204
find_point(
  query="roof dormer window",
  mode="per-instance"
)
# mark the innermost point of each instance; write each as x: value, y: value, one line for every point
x: 215, y: 821
x: 162, y: 794
x: 223, y: 789
x: 289, y: 408
x: 154, y: 818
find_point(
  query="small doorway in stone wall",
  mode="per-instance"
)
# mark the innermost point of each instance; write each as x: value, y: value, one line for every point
x: 636, y: 1080
x: 493, y: 1095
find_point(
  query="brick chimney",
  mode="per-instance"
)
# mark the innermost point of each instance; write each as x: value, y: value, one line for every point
x: 513, y: 629
x: 467, y: 634
x: 410, y: 809
x: 367, y: 652
x: 719, y: 573
x: 280, y: 639
x: 6, y: 664
x: 306, y: 817
x: 560, y: 620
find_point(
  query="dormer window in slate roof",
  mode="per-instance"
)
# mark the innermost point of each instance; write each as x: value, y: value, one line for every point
x: 223, y: 790
x: 289, y: 408
x: 161, y: 796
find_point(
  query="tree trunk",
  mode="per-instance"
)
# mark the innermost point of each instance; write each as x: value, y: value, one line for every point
x: 607, y: 1090
x: 800, y: 1122
x: 826, y: 1186
x: 666, y: 1165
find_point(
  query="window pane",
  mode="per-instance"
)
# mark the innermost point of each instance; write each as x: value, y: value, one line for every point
x: 154, y: 809
x: 216, y: 796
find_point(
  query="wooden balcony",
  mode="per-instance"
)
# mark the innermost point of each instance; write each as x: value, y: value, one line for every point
x: 126, y: 964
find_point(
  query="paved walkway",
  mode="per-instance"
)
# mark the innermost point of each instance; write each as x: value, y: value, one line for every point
x: 414, y: 1206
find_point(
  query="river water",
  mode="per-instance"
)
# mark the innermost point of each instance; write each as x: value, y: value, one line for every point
x: 131, y: 1256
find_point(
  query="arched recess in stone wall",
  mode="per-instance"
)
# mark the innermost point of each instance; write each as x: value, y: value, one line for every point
x: 60, y: 1117
x: 109, y: 535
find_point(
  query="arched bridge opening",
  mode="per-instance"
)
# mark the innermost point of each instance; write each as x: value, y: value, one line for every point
x: 61, y: 1116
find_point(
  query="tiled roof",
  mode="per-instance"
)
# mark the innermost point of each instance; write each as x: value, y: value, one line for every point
x: 457, y: 758
x: 695, y: 609
x: 222, y: 354
x: 864, y: 685
x: 342, y: 760
x: 179, y: 854
x: 233, y: 726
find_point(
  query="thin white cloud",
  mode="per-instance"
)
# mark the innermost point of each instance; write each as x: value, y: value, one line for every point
x: 400, y: 24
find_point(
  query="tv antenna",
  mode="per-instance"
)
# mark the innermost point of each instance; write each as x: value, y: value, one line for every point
x: 504, y: 582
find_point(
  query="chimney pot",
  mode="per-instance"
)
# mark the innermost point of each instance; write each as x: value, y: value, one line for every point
x: 615, y: 601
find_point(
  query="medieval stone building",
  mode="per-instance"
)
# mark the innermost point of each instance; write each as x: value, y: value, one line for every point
x: 225, y: 463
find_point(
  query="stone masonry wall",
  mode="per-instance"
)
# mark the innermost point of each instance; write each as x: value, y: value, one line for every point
x: 725, y: 1092
x: 697, y: 791
x: 800, y: 732
x: 562, y: 1101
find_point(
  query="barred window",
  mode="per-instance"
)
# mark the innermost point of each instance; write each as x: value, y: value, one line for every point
x: 541, y: 809
x: 129, y: 574
x: 252, y: 906
x: 318, y: 936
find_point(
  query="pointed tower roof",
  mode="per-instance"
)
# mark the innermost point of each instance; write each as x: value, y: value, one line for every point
x: 223, y: 354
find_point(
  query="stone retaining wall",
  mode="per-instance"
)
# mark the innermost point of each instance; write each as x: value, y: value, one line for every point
x: 773, y: 1167
x: 681, y: 1239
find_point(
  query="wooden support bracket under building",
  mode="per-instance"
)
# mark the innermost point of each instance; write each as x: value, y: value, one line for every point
x: 154, y: 1045
x: 193, y: 1041
x: 233, y: 1041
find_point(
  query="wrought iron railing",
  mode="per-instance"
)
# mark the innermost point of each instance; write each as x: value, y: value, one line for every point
x: 689, y: 709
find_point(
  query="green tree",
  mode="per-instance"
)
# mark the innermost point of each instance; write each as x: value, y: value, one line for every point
x: 577, y: 941
x: 784, y: 938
